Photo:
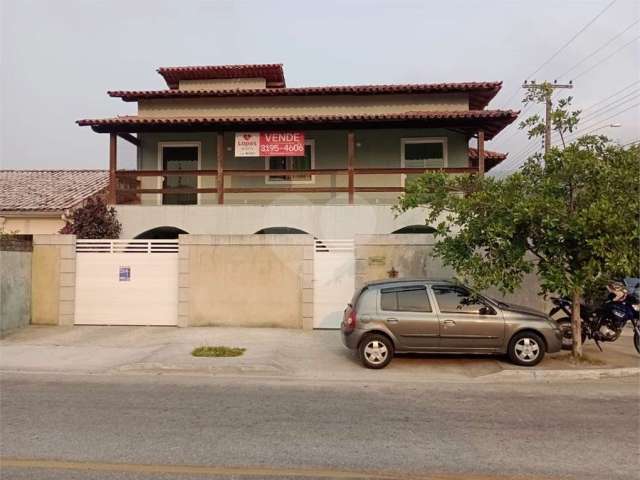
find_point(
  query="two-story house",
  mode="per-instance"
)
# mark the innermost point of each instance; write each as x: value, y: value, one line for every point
x: 227, y: 152
x: 232, y: 150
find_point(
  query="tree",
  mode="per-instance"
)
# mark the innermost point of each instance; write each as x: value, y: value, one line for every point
x: 571, y: 217
x: 93, y: 220
x: 561, y: 119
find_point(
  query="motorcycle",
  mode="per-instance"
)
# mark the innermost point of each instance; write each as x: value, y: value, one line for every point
x: 601, y: 324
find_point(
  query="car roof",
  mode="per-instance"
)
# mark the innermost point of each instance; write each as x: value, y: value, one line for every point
x: 392, y: 281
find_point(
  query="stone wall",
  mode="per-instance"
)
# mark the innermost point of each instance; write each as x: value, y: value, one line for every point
x: 246, y: 280
x: 53, y: 270
x: 15, y: 281
x: 411, y: 256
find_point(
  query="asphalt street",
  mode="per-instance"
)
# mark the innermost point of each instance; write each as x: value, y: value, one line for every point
x: 166, y: 427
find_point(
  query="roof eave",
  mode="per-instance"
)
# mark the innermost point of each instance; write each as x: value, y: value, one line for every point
x: 480, y: 93
x: 492, y: 122
x: 32, y: 213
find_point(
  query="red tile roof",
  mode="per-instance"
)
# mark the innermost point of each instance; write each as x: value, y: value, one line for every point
x: 49, y: 190
x: 491, y: 159
x: 488, y: 154
x: 271, y: 72
x: 492, y: 121
x: 481, y: 93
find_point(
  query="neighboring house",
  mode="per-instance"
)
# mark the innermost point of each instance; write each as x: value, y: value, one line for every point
x: 35, y: 201
x: 338, y: 160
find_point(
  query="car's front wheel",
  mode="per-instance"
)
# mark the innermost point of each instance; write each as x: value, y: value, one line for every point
x: 375, y: 350
x: 526, y: 349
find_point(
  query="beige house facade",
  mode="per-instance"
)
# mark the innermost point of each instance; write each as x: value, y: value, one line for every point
x: 361, y: 145
x: 257, y: 204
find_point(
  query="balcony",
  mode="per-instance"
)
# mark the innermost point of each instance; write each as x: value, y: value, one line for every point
x: 346, y: 185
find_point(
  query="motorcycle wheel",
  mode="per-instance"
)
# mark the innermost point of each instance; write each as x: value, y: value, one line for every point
x: 567, y: 332
x: 636, y: 341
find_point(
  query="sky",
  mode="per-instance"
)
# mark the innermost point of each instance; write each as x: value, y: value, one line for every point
x: 58, y: 58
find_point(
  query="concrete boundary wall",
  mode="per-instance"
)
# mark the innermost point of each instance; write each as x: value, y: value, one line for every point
x: 410, y: 255
x: 15, y: 282
x: 246, y: 280
x: 53, y: 271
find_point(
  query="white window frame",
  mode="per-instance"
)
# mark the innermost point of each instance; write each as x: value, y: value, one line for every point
x: 412, y: 140
x: 161, y: 147
x: 269, y: 181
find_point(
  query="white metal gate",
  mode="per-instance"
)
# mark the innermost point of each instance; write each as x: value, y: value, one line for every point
x: 126, y: 282
x: 333, y: 281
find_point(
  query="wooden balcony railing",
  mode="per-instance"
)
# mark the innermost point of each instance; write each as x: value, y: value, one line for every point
x: 129, y: 189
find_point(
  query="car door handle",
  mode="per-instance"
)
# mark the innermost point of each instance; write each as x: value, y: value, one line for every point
x: 392, y: 320
x: 448, y: 323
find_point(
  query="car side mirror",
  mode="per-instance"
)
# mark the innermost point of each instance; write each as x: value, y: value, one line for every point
x: 486, y: 311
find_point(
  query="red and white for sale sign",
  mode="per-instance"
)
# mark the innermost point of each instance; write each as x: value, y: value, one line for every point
x: 269, y: 144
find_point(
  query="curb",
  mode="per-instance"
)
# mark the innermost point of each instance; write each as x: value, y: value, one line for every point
x: 551, y: 375
x: 505, y: 376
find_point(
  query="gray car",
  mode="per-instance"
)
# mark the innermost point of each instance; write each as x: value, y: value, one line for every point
x: 414, y: 315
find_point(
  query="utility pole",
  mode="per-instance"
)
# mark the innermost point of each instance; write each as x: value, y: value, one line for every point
x: 546, y: 89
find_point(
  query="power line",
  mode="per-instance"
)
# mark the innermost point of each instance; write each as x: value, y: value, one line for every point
x: 611, y: 55
x: 519, y: 159
x: 589, y: 118
x: 610, y: 96
x: 609, y: 106
x: 525, y: 156
x: 524, y: 110
x: 633, y: 142
x: 599, y: 123
x: 523, y: 153
x: 598, y: 50
x: 544, y: 64
x: 604, y: 121
x: 572, y: 39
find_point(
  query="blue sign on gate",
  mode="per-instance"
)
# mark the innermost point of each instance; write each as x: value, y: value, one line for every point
x: 125, y: 274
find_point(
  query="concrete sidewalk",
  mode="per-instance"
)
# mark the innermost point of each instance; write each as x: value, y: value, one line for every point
x: 274, y: 353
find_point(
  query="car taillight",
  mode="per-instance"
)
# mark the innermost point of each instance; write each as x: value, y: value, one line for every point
x: 350, y: 321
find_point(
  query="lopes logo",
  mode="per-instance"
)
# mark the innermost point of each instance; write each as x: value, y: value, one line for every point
x: 247, y: 140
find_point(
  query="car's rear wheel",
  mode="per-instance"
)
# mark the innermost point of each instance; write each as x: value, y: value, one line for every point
x: 375, y: 351
x: 526, y: 349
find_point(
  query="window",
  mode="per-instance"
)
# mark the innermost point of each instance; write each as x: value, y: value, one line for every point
x: 457, y: 300
x: 307, y: 162
x: 405, y: 299
x: 424, y: 152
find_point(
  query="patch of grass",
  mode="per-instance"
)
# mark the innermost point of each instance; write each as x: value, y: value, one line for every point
x: 584, y: 361
x: 217, y: 351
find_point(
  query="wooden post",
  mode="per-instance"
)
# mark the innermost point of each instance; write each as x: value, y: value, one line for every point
x: 113, y: 166
x: 220, y: 169
x: 351, y: 154
x: 481, y: 152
